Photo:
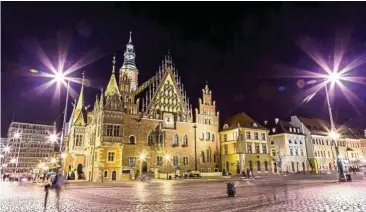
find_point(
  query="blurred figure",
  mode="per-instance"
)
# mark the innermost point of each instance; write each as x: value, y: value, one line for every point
x: 57, y: 185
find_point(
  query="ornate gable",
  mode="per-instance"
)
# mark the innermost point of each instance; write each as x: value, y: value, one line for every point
x: 165, y: 93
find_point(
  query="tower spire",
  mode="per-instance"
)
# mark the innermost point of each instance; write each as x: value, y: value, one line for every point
x: 114, y: 63
x: 80, y: 102
x: 130, y: 41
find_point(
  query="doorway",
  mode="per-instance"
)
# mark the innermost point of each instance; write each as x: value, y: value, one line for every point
x: 144, y: 167
x: 114, y: 175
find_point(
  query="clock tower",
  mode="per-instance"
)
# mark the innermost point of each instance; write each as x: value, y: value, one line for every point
x: 129, y: 65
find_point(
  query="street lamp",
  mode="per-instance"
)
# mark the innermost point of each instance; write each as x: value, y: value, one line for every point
x: 334, y: 77
x: 167, y: 158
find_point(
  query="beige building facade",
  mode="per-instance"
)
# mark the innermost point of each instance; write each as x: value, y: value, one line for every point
x: 244, y: 145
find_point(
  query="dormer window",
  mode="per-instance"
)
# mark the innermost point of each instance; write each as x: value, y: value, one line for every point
x: 225, y: 126
x: 290, y: 129
x: 273, y: 130
x: 298, y: 130
x: 255, y: 124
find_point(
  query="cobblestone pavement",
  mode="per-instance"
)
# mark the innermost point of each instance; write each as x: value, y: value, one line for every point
x: 170, y: 196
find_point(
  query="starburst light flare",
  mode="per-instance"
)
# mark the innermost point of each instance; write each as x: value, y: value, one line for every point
x: 333, y: 73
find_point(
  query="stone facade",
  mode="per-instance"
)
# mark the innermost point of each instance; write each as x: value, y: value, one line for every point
x: 147, y: 128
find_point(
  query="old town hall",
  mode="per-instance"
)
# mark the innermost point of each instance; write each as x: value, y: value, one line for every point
x: 137, y: 128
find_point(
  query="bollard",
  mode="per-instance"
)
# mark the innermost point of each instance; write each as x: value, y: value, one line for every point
x: 231, y: 191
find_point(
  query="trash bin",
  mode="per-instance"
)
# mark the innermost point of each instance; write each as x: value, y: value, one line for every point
x: 231, y: 191
x: 348, y: 178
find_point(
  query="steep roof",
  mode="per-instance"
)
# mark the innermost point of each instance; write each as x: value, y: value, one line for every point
x: 283, y: 127
x: 243, y: 120
x: 322, y: 127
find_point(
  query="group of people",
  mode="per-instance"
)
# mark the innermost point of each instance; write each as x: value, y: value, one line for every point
x: 354, y: 169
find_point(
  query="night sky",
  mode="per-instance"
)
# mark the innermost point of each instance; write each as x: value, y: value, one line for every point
x: 236, y: 47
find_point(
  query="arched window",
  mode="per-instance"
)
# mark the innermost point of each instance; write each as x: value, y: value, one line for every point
x: 202, y: 157
x: 265, y: 166
x: 150, y: 138
x: 161, y: 137
x: 208, y: 156
x: 105, y: 173
x: 208, y: 135
x: 202, y: 136
x: 175, y: 140
x: 258, y: 165
x: 214, y: 157
x: 132, y: 139
x: 185, y: 140
x: 213, y: 137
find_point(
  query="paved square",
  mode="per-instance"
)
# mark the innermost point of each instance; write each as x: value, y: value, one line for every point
x: 190, y: 196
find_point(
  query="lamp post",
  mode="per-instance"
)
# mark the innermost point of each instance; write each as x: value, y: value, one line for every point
x: 195, y: 148
x: 333, y: 134
x: 64, y: 123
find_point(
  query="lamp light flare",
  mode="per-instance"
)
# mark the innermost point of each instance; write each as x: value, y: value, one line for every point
x: 335, y: 73
x: 53, y: 137
x: 16, y: 135
x: 142, y: 156
x: 7, y: 149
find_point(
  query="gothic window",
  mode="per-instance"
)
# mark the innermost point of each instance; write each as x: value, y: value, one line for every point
x: 208, y: 135
x: 109, y: 130
x: 132, y: 139
x: 175, y: 140
x: 79, y: 140
x: 202, y: 157
x: 161, y: 137
x: 185, y: 140
x: 208, y: 156
x: 150, y: 138
x: 116, y: 130
x: 202, y: 136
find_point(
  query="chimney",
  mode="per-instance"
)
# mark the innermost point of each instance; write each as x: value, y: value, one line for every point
x: 265, y: 122
x: 277, y: 120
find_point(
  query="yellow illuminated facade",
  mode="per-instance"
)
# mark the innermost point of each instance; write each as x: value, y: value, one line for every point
x: 148, y: 128
x: 244, y: 145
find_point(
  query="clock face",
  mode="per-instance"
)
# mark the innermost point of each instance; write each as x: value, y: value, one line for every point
x: 168, y: 120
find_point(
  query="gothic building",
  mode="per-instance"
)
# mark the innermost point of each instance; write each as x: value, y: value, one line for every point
x: 142, y: 128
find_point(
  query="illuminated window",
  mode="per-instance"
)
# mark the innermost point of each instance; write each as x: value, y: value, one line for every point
x: 110, y: 156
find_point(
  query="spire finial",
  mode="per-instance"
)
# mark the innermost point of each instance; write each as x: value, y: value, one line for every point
x: 130, y: 41
x: 114, y: 63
